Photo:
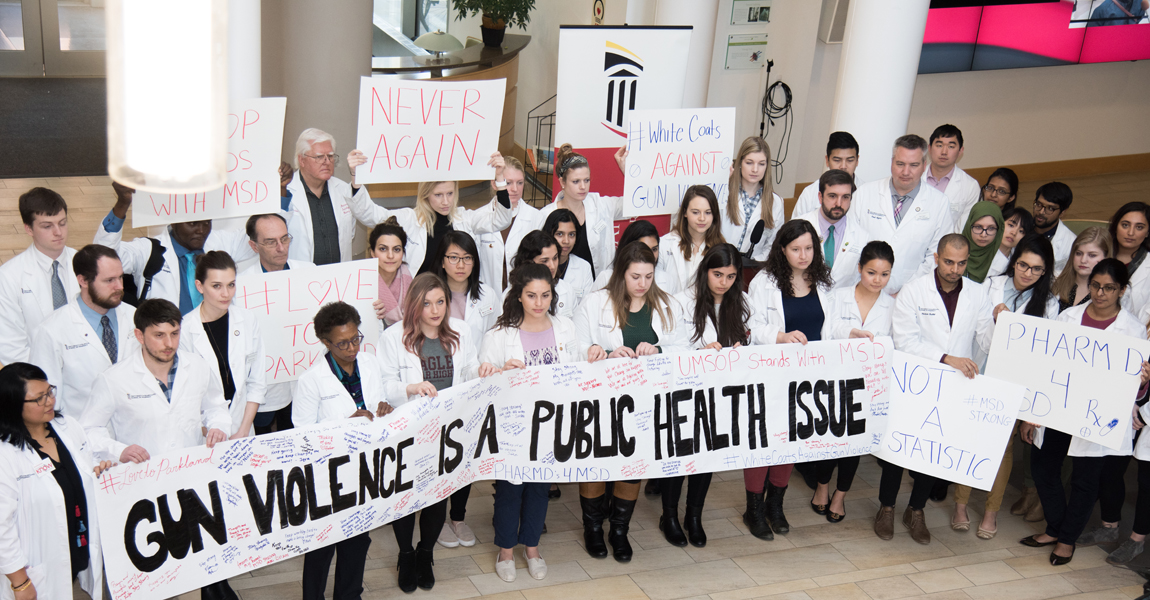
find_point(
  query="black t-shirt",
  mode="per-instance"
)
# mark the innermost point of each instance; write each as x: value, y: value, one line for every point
x: 218, y: 331
x: 75, y: 503
x: 441, y: 227
x: 582, y: 249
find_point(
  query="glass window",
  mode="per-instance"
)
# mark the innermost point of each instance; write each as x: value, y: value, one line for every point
x: 81, y: 25
x: 11, y: 26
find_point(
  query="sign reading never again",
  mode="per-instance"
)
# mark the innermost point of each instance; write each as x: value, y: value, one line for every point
x: 184, y: 519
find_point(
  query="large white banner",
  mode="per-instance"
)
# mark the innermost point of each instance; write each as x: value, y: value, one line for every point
x: 607, y: 71
x: 1082, y: 381
x: 188, y: 518
x: 285, y: 302
x: 943, y: 424
x: 255, y: 139
x: 670, y: 150
x: 443, y: 130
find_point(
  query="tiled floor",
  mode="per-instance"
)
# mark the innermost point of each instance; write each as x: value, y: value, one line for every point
x: 816, y: 561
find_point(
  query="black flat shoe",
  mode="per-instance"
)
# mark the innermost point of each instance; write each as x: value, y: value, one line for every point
x: 834, y: 517
x: 1058, y: 561
x: 1032, y: 541
x: 820, y: 509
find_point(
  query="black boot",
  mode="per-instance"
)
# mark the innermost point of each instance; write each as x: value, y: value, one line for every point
x: 219, y: 590
x: 406, y: 570
x: 753, y: 518
x: 621, y: 511
x: 773, y: 509
x: 654, y: 487
x: 693, y: 523
x: 809, y: 473
x: 424, y: 574
x: 669, y: 525
x: 593, y: 515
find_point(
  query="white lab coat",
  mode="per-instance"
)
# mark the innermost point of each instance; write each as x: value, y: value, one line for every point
x: 503, y: 344
x: 321, y: 397
x: 767, y: 299
x: 245, y: 358
x: 601, y: 214
x: 579, y: 277
x: 998, y: 265
x: 808, y: 200
x: 33, y: 523
x: 916, y: 237
x: 166, y: 283
x: 686, y: 299
x: 845, y: 271
x: 128, y: 407
x: 996, y: 294
x: 26, y: 298
x: 595, y: 322
x: 72, y: 354
x: 480, y: 314
x: 1062, y: 241
x: 495, y: 253
x: 963, y: 191
x: 662, y: 279
x: 568, y: 301
x: 402, y: 368
x: 1137, y: 293
x: 845, y: 315
x: 733, y: 233
x: 680, y: 271
x: 300, y: 227
x: 921, y: 326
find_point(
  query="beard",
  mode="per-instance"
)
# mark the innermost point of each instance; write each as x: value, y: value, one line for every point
x: 108, y: 302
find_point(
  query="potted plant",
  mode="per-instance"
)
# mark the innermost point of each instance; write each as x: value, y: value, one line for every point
x: 497, y: 15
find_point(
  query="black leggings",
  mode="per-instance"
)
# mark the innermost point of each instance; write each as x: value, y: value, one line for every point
x: 697, y: 486
x: 281, y: 419
x: 847, y: 466
x: 459, y: 503
x: 1142, y: 505
x: 1112, y: 492
x: 1065, y: 518
x: 430, y: 525
x: 892, y: 480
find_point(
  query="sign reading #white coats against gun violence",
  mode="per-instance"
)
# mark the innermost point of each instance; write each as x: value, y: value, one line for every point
x: 255, y: 139
x: 188, y: 518
x: 285, y: 302
x: 1082, y: 381
x: 428, y: 130
x: 946, y: 425
x: 672, y: 149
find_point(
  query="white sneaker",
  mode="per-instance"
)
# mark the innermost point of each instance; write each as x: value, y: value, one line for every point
x: 447, y: 537
x: 463, y: 534
x: 505, y: 569
x: 537, y: 567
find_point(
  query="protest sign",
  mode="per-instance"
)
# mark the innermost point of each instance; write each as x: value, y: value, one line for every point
x: 441, y: 130
x: 1082, y: 381
x: 286, y: 301
x: 255, y: 501
x: 255, y: 139
x: 943, y: 424
x: 670, y: 150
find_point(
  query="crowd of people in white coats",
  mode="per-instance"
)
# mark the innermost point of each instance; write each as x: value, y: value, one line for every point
x: 126, y: 349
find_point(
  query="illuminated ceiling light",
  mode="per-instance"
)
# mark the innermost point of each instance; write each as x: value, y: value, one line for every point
x: 167, y: 94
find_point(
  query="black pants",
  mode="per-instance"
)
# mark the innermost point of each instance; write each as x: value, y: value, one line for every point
x: 348, y: 569
x: 892, y: 480
x: 459, y: 503
x: 1142, y: 505
x: 1112, y: 493
x: 1065, y: 519
x: 697, y: 486
x: 430, y: 525
x: 281, y: 418
x: 847, y: 467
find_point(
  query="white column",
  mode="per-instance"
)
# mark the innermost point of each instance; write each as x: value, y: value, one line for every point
x: 244, y: 73
x: 702, y: 15
x: 877, y: 72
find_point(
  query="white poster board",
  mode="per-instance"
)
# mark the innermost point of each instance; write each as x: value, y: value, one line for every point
x: 669, y: 150
x: 255, y: 140
x: 442, y: 130
x: 1082, y: 381
x: 945, y: 425
x: 285, y: 302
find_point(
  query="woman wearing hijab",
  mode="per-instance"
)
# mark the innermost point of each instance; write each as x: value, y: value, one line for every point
x: 984, y: 229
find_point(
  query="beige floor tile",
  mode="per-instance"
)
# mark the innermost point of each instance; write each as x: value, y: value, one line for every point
x: 692, y: 580
x: 733, y: 547
x: 1036, y: 588
x: 1102, y: 578
x: 1103, y: 595
x: 846, y: 591
x: 552, y: 553
x: 1132, y: 591
x: 505, y: 596
x: 1036, y: 565
x: 621, y: 588
x: 988, y: 573
x: 1010, y: 530
x: 557, y: 573
x: 774, y: 590
x: 281, y: 591
x: 868, y: 553
x: 866, y: 575
x: 797, y: 563
x: 942, y: 580
x: 642, y: 560
x: 826, y: 533
x: 717, y: 529
x: 890, y: 588
x: 450, y: 589
x: 247, y: 583
x: 962, y: 560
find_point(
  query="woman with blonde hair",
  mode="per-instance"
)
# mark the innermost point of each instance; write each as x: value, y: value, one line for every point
x: 596, y: 215
x: 498, y: 247
x: 753, y: 212
x: 1071, y: 286
x: 695, y: 230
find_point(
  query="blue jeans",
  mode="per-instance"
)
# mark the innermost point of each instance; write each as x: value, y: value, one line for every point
x: 519, y: 513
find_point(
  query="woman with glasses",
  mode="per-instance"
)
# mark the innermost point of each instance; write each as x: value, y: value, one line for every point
x: 49, y: 536
x: 1130, y: 229
x: 983, y: 229
x: 346, y: 385
x: 1067, y: 518
x: 562, y: 225
x: 427, y: 352
x: 1001, y: 188
x: 387, y: 243
x: 1072, y: 284
x: 472, y: 301
x: 1017, y: 224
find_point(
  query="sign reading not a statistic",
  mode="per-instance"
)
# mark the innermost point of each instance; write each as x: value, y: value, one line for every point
x: 428, y: 130
x: 943, y: 424
x: 285, y: 302
x: 671, y: 150
x: 255, y: 139
x: 1082, y: 381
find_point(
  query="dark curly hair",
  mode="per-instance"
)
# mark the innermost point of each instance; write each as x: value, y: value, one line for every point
x: 818, y: 274
x: 332, y: 315
x: 512, y: 316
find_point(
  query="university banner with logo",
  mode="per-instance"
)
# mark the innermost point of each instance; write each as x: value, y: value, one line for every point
x: 188, y: 518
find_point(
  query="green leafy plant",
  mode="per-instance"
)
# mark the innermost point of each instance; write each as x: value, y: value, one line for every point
x: 515, y: 13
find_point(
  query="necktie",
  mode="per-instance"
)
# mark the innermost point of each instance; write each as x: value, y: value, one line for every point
x: 109, y: 338
x: 190, y: 279
x: 898, y: 210
x: 59, y: 297
x: 829, y: 246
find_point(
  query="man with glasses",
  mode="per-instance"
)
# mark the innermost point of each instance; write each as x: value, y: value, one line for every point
x: 1050, y: 201
x: 945, y: 176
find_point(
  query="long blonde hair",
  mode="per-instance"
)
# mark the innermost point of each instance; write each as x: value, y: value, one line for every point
x: 423, y: 211
x: 657, y: 299
x: 714, y: 234
x: 766, y: 205
x: 1068, y: 277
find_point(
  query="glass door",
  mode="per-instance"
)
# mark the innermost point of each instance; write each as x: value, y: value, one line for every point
x: 52, y: 38
x: 21, y: 50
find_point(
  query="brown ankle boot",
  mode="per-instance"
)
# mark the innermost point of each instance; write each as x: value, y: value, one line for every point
x: 1028, y: 499
x: 915, y: 521
x: 1035, y: 514
x: 884, y: 523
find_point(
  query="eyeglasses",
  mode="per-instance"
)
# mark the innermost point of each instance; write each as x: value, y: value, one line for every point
x: 42, y: 399
x: 1021, y: 267
x: 346, y: 345
x: 1108, y: 288
x: 980, y: 230
x: 454, y: 259
x: 995, y: 191
x: 269, y: 244
x: 1043, y: 208
x: 323, y: 158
